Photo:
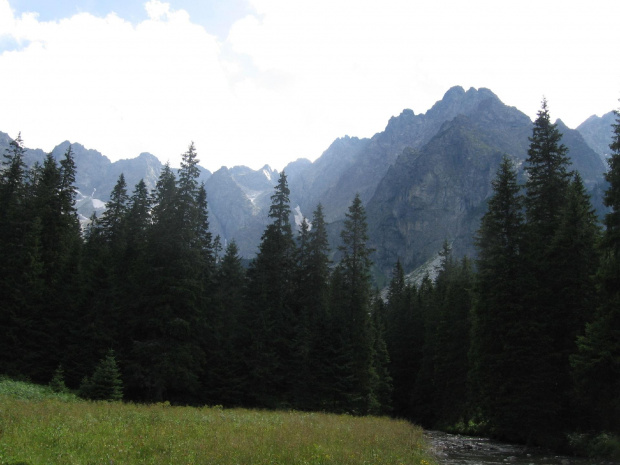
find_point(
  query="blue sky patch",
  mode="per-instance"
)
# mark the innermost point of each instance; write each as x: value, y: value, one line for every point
x: 216, y: 16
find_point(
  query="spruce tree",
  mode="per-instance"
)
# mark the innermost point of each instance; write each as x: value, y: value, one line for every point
x: 500, y: 329
x: 315, y: 335
x: 596, y: 365
x: 574, y: 251
x: 226, y: 378
x: 548, y: 178
x: 354, y: 312
x: 451, y: 339
x: 139, y: 216
x: 21, y: 284
x: 57, y: 383
x: 404, y: 339
x: 302, y: 388
x: 112, y: 222
x: 167, y: 359
x: 547, y: 187
x: 270, y: 297
x: 423, y: 396
x: 106, y: 382
x: 51, y: 203
x: 106, y: 267
x: 381, y: 379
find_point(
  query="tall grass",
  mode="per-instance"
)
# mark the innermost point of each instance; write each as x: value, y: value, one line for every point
x: 54, y: 430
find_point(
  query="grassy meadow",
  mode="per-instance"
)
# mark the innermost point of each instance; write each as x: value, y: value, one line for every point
x: 38, y: 426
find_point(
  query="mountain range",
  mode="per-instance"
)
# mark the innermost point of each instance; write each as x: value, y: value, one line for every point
x: 424, y: 179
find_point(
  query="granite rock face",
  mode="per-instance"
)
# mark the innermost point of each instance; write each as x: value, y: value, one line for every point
x: 597, y: 132
x: 439, y: 192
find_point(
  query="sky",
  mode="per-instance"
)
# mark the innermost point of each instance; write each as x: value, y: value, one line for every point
x: 255, y: 82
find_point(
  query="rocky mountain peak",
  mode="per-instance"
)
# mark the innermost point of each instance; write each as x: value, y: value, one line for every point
x: 597, y: 132
x: 456, y: 101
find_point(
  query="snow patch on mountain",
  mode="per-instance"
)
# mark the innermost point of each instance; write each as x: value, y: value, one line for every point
x: 299, y: 217
x: 252, y: 195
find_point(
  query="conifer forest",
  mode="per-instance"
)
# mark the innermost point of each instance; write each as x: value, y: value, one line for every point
x: 522, y: 341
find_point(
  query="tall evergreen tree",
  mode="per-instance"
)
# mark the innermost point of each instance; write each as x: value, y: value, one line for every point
x: 453, y: 294
x: 381, y: 379
x: 68, y: 189
x: 226, y: 380
x: 167, y: 355
x: 21, y: 283
x: 113, y: 219
x: 423, y: 393
x: 574, y: 251
x: 404, y: 338
x: 596, y: 365
x: 547, y: 187
x: 500, y: 329
x: 52, y: 197
x: 129, y: 290
x: 138, y: 223
x: 354, y: 311
x: 270, y: 296
x: 315, y: 336
x: 548, y: 178
x: 106, y: 268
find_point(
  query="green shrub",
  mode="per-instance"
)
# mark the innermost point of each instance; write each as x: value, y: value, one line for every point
x: 27, y: 391
x: 595, y: 445
x: 57, y: 384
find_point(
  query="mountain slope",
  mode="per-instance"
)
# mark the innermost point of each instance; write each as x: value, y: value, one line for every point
x: 350, y: 165
x: 439, y: 192
x: 597, y: 132
x: 239, y: 200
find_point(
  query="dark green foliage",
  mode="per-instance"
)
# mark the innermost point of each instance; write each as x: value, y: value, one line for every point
x: 105, y: 383
x: 499, y: 327
x: 166, y: 357
x: 314, y: 336
x: 596, y: 365
x: 453, y: 304
x: 57, y: 383
x: 225, y: 379
x: 381, y: 380
x: 270, y: 299
x: 112, y: 222
x: 40, y: 245
x: 548, y: 178
x: 574, y: 252
x: 21, y: 284
x: 423, y: 393
x: 352, y: 313
x: 441, y: 314
x: 404, y: 338
x: 534, y: 293
x: 560, y: 235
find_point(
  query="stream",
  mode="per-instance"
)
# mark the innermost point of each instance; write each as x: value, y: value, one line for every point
x: 452, y: 449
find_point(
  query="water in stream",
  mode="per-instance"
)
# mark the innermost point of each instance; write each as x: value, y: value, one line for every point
x: 452, y: 449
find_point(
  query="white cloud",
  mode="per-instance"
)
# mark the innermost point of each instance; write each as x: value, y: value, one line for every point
x: 156, y: 9
x: 295, y: 75
x: 112, y: 86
